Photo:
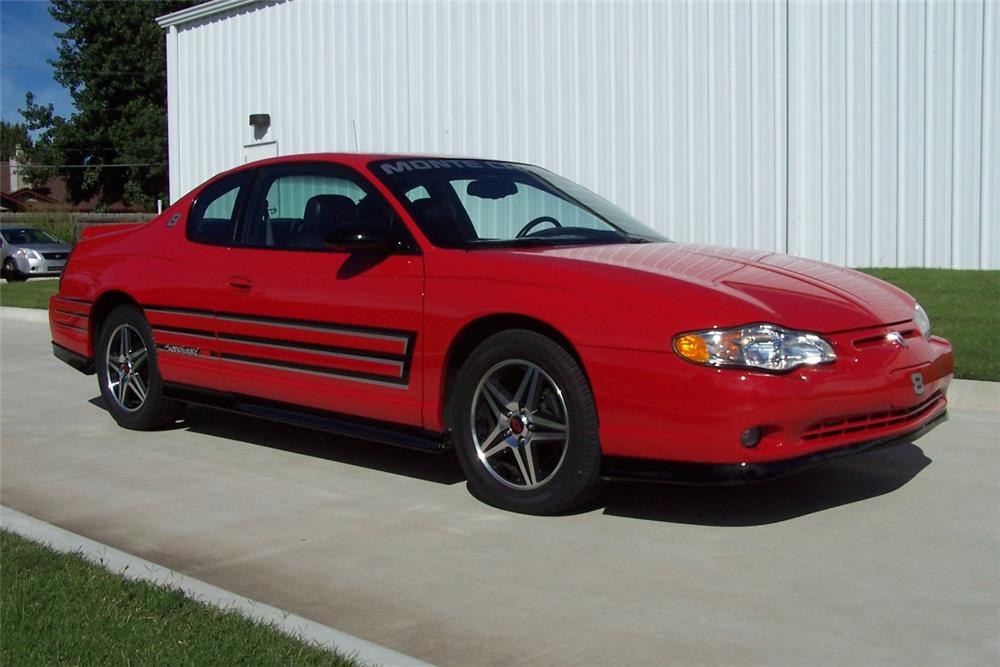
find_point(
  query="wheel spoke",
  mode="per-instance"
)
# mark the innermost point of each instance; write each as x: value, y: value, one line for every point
x: 120, y: 390
x: 504, y: 444
x: 123, y: 343
x: 138, y: 387
x: 492, y: 437
x: 520, y: 464
x: 547, y: 437
x: 530, y: 465
x: 498, y: 393
x: 138, y: 358
x: 491, y: 402
x: 547, y: 423
x: 522, y: 389
x: 531, y: 401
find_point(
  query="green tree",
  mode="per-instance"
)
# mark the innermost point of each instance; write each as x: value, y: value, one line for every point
x: 11, y: 135
x: 111, y: 59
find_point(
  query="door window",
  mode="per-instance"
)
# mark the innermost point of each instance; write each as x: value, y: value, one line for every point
x: 297, y: 207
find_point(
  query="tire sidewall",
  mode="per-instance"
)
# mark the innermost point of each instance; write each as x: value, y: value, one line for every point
x: 150, y: 414
x: 577, y: 476
x: 11, y: 272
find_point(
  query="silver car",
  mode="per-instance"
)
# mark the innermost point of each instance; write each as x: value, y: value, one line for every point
x: 26, y: 252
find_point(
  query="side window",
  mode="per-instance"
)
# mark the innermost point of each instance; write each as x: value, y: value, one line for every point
x: 297, y: 207
x: 213, y: 215
x: 417, y: 193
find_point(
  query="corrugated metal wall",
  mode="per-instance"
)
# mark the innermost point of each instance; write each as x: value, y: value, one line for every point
x: 862, y: 133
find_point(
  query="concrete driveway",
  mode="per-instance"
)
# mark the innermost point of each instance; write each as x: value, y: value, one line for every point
x: 888, y: 558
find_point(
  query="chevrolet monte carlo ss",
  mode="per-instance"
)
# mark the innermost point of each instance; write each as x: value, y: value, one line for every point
x: 497, y: 308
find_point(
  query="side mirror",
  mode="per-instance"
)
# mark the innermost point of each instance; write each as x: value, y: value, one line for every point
x: 360, y: 237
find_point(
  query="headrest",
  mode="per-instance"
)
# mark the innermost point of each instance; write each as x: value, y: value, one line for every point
x: 329, y: 209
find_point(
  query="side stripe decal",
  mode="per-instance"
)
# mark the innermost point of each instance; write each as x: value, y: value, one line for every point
x: 397, y: 366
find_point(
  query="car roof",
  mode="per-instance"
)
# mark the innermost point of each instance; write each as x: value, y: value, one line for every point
x: 358, y: 159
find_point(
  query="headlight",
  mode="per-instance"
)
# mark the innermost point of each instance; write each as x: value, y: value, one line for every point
x: 27, y: 252
x: 923, y: 322
x: 764, y: 346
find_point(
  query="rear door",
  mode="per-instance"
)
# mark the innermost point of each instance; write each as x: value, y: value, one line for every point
x: 307, y: 326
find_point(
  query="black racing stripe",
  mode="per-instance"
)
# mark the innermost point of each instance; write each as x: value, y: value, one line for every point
x: 321, y: 370
x: 70, y: 326
x: 319, y: 324
x: 70, y: 312
x: 314, y: 347
x: 204, y: 333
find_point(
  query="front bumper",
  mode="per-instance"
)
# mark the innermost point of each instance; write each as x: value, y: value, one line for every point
x: 657, y: 407
x: 683, y: 472
x: 28, y: 266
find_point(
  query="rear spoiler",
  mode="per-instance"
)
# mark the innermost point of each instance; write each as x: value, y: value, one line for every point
x: 91, y: 231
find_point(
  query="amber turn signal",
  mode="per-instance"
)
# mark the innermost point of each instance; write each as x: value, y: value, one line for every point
x: 692, y: 347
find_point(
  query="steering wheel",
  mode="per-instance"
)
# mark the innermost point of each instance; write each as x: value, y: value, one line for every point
x: 537, y: 221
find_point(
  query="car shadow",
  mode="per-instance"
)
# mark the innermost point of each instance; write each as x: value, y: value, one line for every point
x: 438, y: 468
x: 824, y: 487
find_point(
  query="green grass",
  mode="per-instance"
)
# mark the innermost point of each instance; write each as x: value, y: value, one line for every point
x: 59, y: 609
x: 964, y: 307
x: 29, y: 294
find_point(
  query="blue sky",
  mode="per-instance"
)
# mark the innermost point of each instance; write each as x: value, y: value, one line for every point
x: 27, y: 42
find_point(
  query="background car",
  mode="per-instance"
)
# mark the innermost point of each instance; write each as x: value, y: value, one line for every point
x: 547, y: 336
x: 26, y: 252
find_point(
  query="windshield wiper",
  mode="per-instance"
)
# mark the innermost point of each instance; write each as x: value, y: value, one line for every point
x: 525, y: 242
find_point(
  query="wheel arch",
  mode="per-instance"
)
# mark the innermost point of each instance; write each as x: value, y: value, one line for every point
x: 103, y: 306
x: 475, y: 332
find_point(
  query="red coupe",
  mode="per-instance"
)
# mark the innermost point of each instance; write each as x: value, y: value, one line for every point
x: 497, y: 308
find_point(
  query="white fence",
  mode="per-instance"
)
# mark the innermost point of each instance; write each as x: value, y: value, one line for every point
x: 862, y: 133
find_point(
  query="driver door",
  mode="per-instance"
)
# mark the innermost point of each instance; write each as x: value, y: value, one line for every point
x: 311, y: 327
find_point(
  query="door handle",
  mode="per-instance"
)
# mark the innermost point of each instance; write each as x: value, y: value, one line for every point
x: 239, y: 282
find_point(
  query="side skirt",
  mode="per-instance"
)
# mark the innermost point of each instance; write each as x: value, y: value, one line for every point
x: 319, y: 420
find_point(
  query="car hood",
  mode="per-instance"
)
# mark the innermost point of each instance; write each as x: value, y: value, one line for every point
x: 757, y: 285
x: 43, y: 247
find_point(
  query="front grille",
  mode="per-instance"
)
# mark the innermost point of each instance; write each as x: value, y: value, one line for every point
x: 54, y: 255
x: 870, y: 422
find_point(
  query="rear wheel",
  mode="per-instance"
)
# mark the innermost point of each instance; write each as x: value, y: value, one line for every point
x: 128, y: 374
x: 525, y: 425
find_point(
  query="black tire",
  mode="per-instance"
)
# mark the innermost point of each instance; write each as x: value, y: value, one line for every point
x: 11, y: 273
x: 123, y: 396
x: 563, y: 396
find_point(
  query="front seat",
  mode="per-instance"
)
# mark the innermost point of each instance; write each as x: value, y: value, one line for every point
x: 441, y: 223
x: 322, y: 214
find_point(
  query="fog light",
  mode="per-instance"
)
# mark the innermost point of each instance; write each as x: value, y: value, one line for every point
x: 750, y: 437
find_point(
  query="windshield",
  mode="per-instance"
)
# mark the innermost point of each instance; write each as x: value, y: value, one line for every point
x: 485, y: 204
x: 28, y: 236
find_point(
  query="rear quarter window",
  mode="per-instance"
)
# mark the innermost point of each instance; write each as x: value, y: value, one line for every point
x: 215, y: 213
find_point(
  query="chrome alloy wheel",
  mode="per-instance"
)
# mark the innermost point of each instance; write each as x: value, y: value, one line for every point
x: 520, y: 426
x: 127, y: 373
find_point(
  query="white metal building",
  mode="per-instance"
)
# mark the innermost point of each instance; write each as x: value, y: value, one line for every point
x: 862, y: 133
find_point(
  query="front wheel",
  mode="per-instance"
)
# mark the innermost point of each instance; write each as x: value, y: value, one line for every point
x: 11, y: 273
x: 525, y: 425
x: 128, y: 374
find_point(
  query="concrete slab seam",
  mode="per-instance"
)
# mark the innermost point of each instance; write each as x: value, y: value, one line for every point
x: 133, y: 567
